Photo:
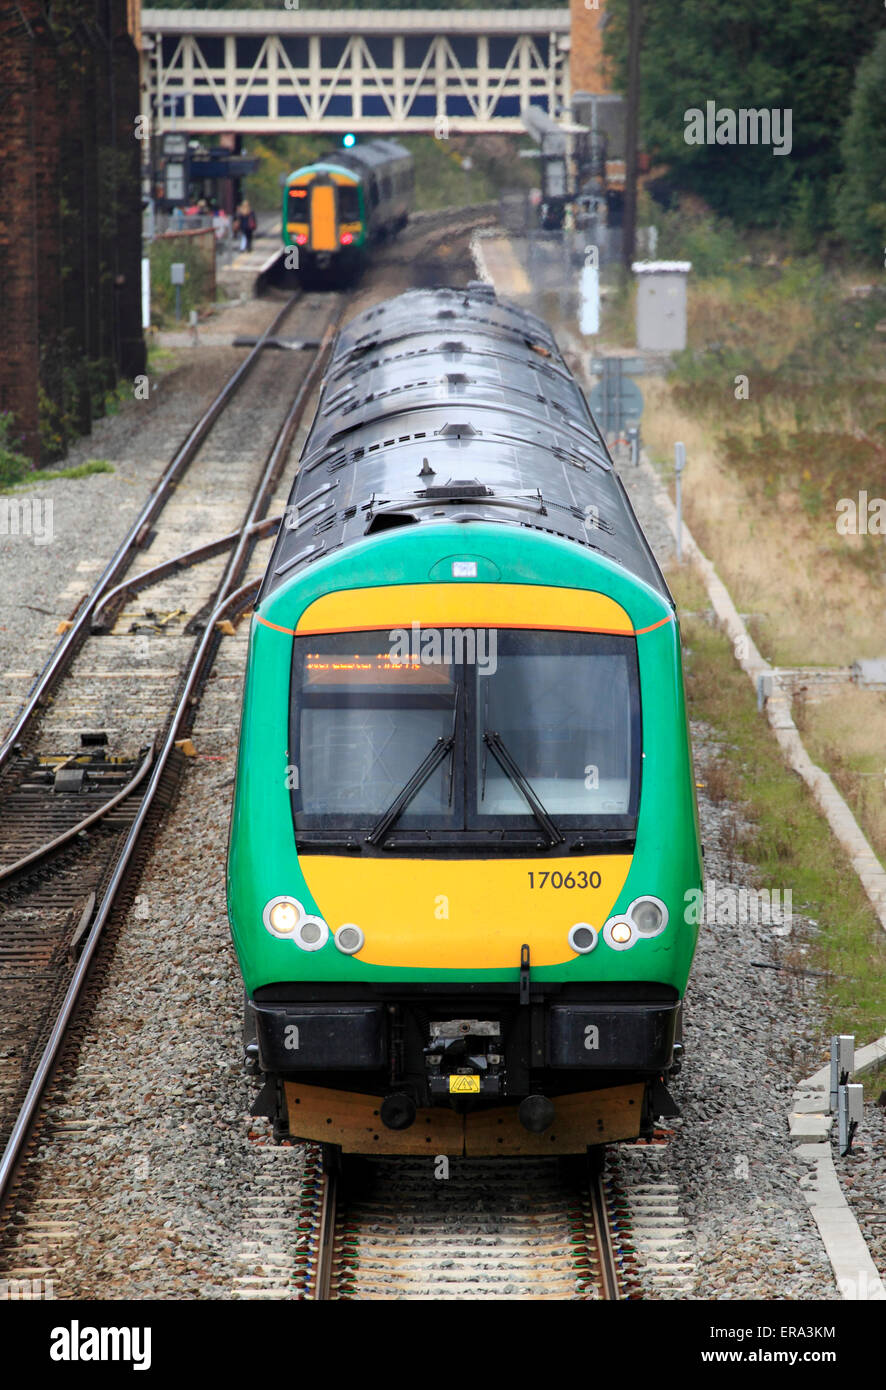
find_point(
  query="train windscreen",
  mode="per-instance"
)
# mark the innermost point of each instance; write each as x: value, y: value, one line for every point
x: 298, y: 204
x: 472, y: 725
x: 348, y: 203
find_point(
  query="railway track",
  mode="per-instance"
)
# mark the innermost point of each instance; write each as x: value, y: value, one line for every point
x: 482, y: 1229
x: 89, y: 776
x: 498, y: 1230
x: 436, y: 1229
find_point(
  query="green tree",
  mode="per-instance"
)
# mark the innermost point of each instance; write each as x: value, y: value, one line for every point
x: 799, y: 55
x: 860, y: 200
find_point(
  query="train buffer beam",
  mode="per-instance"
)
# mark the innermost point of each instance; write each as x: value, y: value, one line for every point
x: 288, y: 344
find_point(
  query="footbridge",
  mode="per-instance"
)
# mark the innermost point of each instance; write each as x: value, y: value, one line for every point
x: 386, y: 71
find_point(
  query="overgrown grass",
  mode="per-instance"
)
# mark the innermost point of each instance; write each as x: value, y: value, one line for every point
x: 814, y: 599
x: 14, y: 465
x: 197, y: 254
x: 77, y: 470
x: 789, y: 841
x: 161, y: 359
x: 846, y: 735
x: 618, y: 296
x: 874, y: 1082
x: 780, y: 402
x: 785, y: 365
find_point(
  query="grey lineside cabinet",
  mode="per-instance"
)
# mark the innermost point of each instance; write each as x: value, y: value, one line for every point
x: 661, y: 304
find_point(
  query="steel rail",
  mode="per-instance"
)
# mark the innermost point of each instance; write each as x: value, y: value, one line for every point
x: 258, y: 529
x: 50, y: 1052
x: 322, y: 1283
x: 36, y: 855
x: 323, y: 1278
x: 605, y: 1252
x: 66, y: 648
x: 228, y: 600
x: 130, y: 587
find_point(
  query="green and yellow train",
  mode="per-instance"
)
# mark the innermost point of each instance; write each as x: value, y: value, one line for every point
x: 464, y: 825
x: 335, y: 209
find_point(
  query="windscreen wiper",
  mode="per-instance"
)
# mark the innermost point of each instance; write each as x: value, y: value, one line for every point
x: 432, y: 759
x: 502, y: 756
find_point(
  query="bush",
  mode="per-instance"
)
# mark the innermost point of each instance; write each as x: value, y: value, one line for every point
x: 860, y: 212
x: 688, y: 232
x: 197, y: 252
x: 14, y: 465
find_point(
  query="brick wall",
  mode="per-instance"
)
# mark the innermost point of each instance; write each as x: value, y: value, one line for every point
x: 70, y: 221
x: 587, y: 68
x: 19, y: 357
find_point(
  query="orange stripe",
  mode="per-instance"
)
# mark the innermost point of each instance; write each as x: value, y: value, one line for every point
x: 548, y: 627
x: 290, y: 631
x: 661, y: 622
x: 537, y: 627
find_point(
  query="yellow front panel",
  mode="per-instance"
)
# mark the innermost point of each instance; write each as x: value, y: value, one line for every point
x: 469, y: 605
x: 323, y: 217
x: 464, y: 914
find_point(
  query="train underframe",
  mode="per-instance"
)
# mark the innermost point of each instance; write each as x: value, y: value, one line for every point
x: 465, y: 1069
x: 329, y: 269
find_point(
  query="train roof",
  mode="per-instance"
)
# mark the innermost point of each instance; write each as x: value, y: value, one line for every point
x: 451, y: 405
x: 359, y: 159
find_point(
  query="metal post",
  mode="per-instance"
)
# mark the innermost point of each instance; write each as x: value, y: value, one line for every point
x: 146, y: 292
x: 177, y: 276
x: 629, y: 216
x: 634, y: 438
x: 607, y: 396
x: 679, y: 465
x: 842, y: 1064
x: 619, y: 416
x: 850, y: 1109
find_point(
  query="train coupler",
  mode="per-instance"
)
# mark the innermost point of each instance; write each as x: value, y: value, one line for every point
x: 465, y: 1058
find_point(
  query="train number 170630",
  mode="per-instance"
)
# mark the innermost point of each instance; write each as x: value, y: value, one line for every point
x: 579, y: 879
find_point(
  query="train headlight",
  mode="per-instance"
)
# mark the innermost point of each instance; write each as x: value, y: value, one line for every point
x: 649, y: 915
x: 620, y: 934
x: 349, y: 939
x: 582, y: 938
x: 312, y: 933
x: 282, y: 915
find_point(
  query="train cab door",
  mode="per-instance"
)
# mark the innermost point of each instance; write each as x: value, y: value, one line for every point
x: 323, y: 217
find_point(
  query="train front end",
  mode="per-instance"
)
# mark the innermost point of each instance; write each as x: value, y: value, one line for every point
x: 324, y: 220
x: 463, y: 840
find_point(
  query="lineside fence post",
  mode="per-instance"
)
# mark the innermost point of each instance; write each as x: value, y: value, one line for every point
x: 679, y: 465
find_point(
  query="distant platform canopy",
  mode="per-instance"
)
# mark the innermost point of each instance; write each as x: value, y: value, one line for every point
x: 432, y: 71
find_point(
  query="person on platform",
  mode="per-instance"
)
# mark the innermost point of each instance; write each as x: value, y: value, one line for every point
x: 246, y: 225
x: 221, y: 225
